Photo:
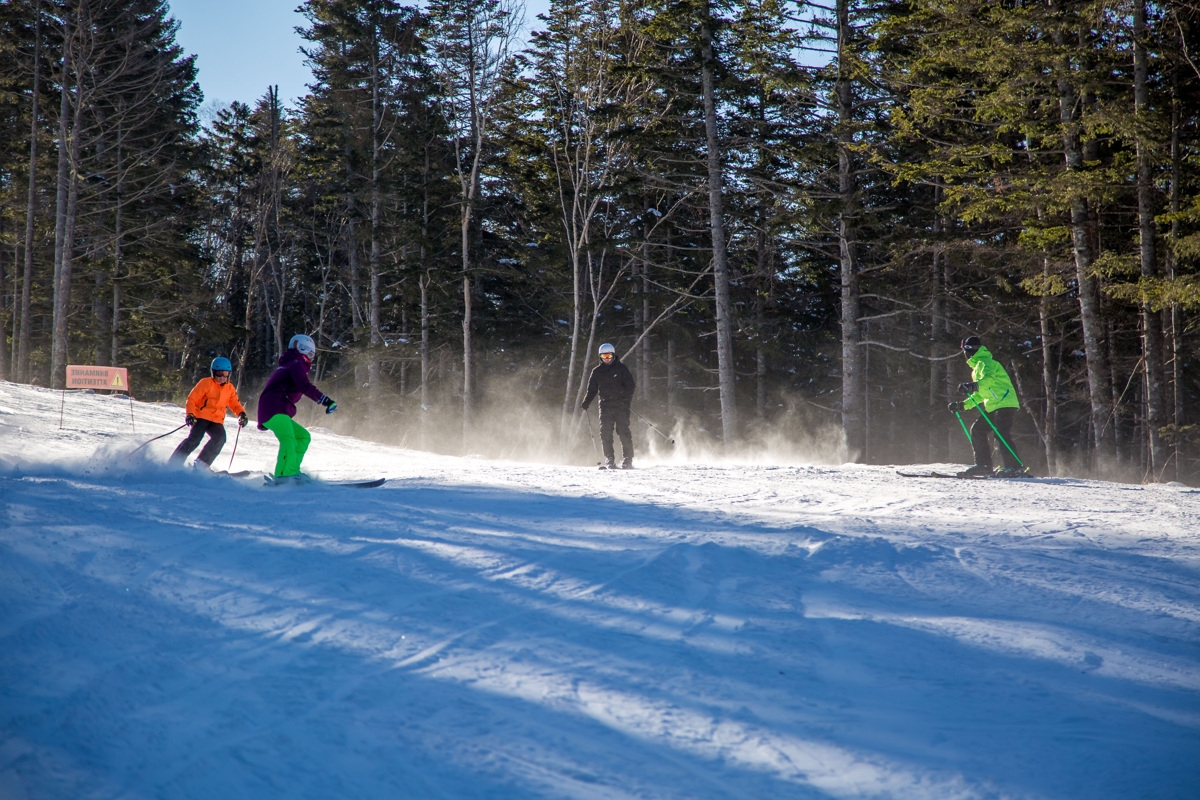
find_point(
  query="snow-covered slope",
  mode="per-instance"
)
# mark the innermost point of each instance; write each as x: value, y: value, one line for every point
x: 479, y: 629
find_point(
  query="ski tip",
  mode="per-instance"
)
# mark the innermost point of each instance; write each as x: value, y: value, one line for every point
x: 371, y: 484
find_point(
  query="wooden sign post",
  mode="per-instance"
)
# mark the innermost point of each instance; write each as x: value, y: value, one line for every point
x: 115, y: 379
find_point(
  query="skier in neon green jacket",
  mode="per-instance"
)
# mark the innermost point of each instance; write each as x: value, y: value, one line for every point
x: 992, y: 392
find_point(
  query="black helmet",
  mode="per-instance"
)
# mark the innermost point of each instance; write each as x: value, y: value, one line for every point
x: 970, y: 344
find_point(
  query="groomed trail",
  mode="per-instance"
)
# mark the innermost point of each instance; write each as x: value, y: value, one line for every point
x: 486, y: 629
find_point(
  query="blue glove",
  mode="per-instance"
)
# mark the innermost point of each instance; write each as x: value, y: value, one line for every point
x: 330, y: 406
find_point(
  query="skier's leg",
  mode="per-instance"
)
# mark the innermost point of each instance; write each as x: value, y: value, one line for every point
x: 621, y: 422
x: 190, y: 443
x: 216, y: 440
x: 1003, y: 418
x: 285, y: 462
x: 303, y: 438
x: 981, y: 442
x: 607, y: 421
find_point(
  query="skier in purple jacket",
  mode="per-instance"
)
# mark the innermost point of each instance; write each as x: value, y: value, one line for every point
x: 277, y: 405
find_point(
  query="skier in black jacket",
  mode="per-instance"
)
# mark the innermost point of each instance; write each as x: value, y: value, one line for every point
x: 614, y: 383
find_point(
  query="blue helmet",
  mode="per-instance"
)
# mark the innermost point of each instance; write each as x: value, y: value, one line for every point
x: 221, y: 364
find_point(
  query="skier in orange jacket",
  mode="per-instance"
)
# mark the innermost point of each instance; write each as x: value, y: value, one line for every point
x: 205, y: 410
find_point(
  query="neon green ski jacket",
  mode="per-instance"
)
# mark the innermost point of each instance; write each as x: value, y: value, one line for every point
x: 995, y: 389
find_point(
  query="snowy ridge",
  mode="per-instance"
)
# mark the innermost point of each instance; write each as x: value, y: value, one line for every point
x: 503, y: 630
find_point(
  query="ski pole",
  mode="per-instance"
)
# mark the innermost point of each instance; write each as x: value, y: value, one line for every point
x: 591, y: 432
x: 236, y: 436
x: 656, y: 430
x: 155, y: 439
x: 964, y: 426
x: 1001, y: 438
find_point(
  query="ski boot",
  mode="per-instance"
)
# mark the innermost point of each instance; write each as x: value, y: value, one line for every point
x: 977, y: 471
x: 1011, y: 472
x: 627, y: 463
x: 609, y: 463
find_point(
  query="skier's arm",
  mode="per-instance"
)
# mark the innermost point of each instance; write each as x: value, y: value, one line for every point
x: 304, y: 385
x: 234, y: 404
x: 591, y: 391
x: 986, y: 375
x: 195, y: 400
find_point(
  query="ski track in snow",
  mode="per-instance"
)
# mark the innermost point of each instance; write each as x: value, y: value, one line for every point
x: 482, y: 629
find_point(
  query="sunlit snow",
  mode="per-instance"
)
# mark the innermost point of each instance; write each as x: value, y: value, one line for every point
x: 485, y: 629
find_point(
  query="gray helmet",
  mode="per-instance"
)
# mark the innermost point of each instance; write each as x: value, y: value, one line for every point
x: 304, y: 343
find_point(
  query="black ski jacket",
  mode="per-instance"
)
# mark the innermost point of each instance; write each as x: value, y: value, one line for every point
x: 613, y: 382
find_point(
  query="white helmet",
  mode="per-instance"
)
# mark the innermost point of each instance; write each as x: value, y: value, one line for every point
x: 607, y: 348
x: 304, y: 343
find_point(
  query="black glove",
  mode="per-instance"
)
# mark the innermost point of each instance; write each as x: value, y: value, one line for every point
x: 584, y: 405
x: 189, y: 419
x: 957, y: 405
x: 969, y: 387
x: 242, y: 419
x: 330, y: 406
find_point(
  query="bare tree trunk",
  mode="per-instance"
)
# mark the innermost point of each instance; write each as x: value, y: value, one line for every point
x: 468, y: 385
x: 937, y: 322
x: 16, y: 317
x: 424, y: 286
x: 672, y: 378
x: 1049, y: 386
x: 374, y: 376
x: 23, y: 345
x: 576, y: 333
x: 853, y: 377
x: 274, y: 243
x: 4, y: 351
x: 1099, y: 383
x: 760, y: 317
x: 1152, y: 336
x: 116, y: 322
x: 760, y: 314
x: 66, y: 208
x: 644, y: 361
x: 1176, y: 320
x: 361, y: 373
x: 106, y: 315
x: 1114, y: 421
x: 726, y: 377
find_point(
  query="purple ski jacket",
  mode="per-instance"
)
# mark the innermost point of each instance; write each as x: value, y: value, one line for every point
x: 285, y: 386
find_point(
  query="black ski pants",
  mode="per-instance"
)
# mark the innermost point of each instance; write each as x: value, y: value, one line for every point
x: 216, y: 440
x: 981, y: 437
x: 615, y: 415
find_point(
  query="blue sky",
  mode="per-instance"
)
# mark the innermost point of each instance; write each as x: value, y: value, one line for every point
x: 244, y: 46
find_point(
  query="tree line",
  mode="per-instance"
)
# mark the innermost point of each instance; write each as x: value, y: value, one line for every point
x: 784, y: 214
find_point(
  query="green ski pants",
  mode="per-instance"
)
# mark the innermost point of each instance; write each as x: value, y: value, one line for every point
x: 293, y: 444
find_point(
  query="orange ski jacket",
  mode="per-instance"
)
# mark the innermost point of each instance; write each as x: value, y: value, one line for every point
x: 209, y: 400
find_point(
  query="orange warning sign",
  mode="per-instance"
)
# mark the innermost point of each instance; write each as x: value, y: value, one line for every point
x: 115, y: 378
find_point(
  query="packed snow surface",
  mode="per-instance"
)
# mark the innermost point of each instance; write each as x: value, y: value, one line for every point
x: 479, y: 629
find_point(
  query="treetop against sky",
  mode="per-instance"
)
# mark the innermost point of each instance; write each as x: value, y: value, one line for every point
x: 243, y: 47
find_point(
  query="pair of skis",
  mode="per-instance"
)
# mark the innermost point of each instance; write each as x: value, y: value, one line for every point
x: 270, y: 480
x: 371, y: 484
x: 958, y: 477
